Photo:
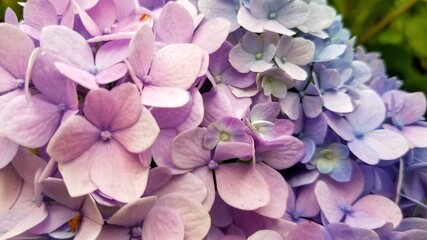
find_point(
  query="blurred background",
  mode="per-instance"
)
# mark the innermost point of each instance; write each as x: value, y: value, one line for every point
x: 395, y: 28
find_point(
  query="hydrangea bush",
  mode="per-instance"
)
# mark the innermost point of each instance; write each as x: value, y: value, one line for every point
x: 208, y: 119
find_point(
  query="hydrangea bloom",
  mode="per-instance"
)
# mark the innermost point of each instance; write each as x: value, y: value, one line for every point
x: 208, y: 119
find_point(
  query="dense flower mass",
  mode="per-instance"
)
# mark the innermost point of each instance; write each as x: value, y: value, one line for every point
x: 208, y: 119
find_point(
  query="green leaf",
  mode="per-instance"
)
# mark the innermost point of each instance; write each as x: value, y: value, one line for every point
x: 416, y: 34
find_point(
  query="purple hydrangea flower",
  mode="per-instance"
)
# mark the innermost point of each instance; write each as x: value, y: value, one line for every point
x: 292, y: 53
x: 254, y: 53
x: 160, y: 77
x: 367, y: 142
x: 89, y: 150
x: 273, y: 15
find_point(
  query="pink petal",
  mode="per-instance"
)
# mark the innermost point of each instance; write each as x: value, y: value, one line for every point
x: 49, y: 81
x: 124, y: 8
x: 10, y: 17
x: 188, y: 158
x: 54, y: 38
x: 57, y: 216
x: 306, y: 203
x: 175, y: 24
x: 275, y: 26
x: 210, y: 35
x: 369, y: 113
x: 111, y: 53
x: 8, y: 150
x: 195, y: 116
x: 141, y: 50
x: 195, y: 218
x: 27, y: 164
x: 265, y: 234
x: 416, y: 135
x: 141, y: 135
x: 15, y: 50
x: 127, y: 106
x: 111, y: 74
x: 78, y: 75
x: 40, y: 13
x: 165, y: 97
x: 185, y: 184
x: 72, y: 139
x: 363, y: 151
x: 35, y: 216
x: 133, y: 213
x: 161, y: 150
x: 163, y: 223
x: 157, y: 178
x: 281, y: 154
x: 166, y: 71
x: 97, y: 111
x: 30, y: 123
x: 379, y: 207
x: 340, y: 126
x: 362, y: 220
x: 205, y: 174
x: 8, y: 81
x: 88, y: 229
x: 293, y: 70
x: 111, y: 159
x: 56, y: 189
x: 87, y: 4
x: 113, y: 232
x: 413, y: 108
x: 76, y: 173
x: 241, y: 186
x: 308, y: 230
x: 329, y: 203
x: 338, y: 102
x: 245, y: 18
x: 10, y: 187
x: 103, y: 14
x: 278, y: 192
x: 265, y: 112
x: 91, y: 211
x: 291, y: 105
x: 67, y: 14
x: 86, y: 20
x: 387, y: 144
x: 222, y: 103
x: 351, y: 190
x: 221, y: 213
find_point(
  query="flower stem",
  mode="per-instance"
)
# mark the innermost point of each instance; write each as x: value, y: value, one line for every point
x: 386, y: 21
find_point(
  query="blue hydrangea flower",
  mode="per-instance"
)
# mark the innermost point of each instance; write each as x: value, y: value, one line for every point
x: 333, y: 160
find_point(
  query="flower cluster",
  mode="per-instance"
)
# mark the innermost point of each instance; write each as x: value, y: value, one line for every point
x: 208, y: 119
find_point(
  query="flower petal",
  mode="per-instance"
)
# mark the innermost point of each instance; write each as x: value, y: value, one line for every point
x: 166, y: 71
x: 133, y: 213
x: 141, y: 50
x: 72, y: 139
x: 64, y: 42
x: 15, y: 50
x: 175, y: 24
x: 241, y: 186
x: 141, y: 135
x: 30, y: 123
x: 112, y: 159
x: 278, y: 192
x: 188, y: 158
x: 210, y: 35
x: 164, y: 97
